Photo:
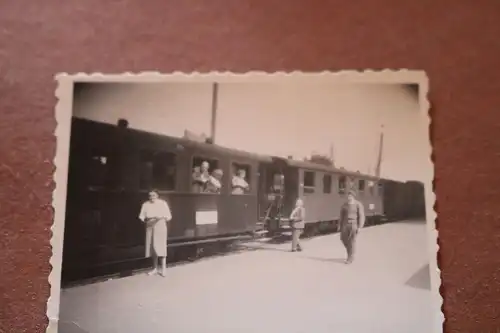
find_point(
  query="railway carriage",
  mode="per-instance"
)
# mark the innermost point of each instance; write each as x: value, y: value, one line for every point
x: 324, y: 190
x: 403, y: 200
x: 416, y: 205
x: 112, y: 168
x: 111, y: 171
x: 395, y: 200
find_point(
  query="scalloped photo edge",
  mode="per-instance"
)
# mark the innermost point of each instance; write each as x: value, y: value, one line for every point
x: 63, y: 111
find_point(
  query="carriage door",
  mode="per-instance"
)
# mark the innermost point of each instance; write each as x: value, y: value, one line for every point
x: 242, y: 196
x: 271, y: 185
x: 264, y: 186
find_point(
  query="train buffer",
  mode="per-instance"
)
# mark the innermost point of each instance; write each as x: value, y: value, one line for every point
x: 222, y: 292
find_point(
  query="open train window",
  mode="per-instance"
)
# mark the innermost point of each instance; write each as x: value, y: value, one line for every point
x: 342, y: 184
x: 327, y: 184
x: 158, y: 170
x: 309, y: 181
x: 275, y: 181
x: 206, y: 176
x: 361, y: 185
x: 380, y: 188
x: 98, y: 169
x: 95, y: 168
x: 240, y: 178
x: 371, y: 187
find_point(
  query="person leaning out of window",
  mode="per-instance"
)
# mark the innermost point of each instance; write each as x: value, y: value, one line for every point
x: 201, y: 177
x: 239, y: 183
x: 214, y: 184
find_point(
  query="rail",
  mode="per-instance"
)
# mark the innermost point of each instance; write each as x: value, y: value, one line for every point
x: 211, y: 240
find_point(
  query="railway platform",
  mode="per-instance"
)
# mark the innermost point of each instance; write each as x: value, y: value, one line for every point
x: 269, y: 289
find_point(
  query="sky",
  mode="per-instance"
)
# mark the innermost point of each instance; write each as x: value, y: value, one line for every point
x: 279, y: 118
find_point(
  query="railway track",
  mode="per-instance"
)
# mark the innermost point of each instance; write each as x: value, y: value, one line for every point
x: 203, y: 252
x: 199, y: 252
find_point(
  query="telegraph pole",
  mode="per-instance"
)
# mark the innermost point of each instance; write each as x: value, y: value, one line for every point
x: 332, y: 155
x: 380, y: 151
x: 215, y: 93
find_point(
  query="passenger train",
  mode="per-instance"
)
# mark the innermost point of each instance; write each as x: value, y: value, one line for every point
x: 112, y: 168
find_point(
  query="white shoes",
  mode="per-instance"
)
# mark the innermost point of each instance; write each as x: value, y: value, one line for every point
x: 156, y: 272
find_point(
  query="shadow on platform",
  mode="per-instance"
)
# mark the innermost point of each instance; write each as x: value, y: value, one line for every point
x: 260, y: 248
x: 65, y: 327
x: 421, y: 279
x: 331, y: 260
x: 417, y: 221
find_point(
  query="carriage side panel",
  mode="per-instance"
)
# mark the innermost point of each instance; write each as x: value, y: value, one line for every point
x: 321, y: 201
x: 370, y: 197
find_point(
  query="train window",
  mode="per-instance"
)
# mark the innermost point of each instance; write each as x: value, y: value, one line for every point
x: 361, y: 185
x: 380, y: 188
x: 98, y: 170
x: 278, y: 182
x: 371, y: 186
x: 327, y: 184
x: 96, y: 167
x: 158, y: 170
x: 276, y: 179
x: 240, y: 179
x: 342, y: 184
x: 309, y: 181
x: 206, y: 176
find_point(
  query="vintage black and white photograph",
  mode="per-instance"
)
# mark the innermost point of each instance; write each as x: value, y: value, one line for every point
x: 252, y: 203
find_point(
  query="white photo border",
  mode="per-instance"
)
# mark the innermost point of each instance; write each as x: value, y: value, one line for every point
x: 63, y: 113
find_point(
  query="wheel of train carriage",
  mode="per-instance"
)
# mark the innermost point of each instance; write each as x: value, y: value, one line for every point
x: 309, y: 230
x: 306, y: 231
x: 316, y: 229
x: 336, y: 224
x: 331, y: 226
x: 320, y: 228
x: 327, y: 227
x: 226, y: 246
x: 191, y: 252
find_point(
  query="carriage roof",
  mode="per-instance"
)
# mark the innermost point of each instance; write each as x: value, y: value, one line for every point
x: 208, y: 147
x: 324, y: 168
x: 217, y: 149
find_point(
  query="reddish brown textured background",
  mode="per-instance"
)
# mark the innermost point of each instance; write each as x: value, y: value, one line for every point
x: 456, y: 42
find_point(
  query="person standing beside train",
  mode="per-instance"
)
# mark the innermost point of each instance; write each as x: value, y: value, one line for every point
x: 155, y: 213
x: 297, y: 223
x: 352, y: 219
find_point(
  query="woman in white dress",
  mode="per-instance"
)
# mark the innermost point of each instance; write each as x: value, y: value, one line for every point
x: 155, y: 213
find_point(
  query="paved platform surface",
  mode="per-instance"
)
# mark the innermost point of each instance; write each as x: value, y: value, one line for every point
x: 386, y: 290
